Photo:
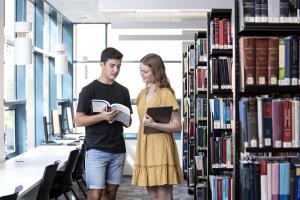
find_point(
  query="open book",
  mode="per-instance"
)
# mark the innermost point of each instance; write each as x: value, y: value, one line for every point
x: 123, y: 111
x: 159, y: 115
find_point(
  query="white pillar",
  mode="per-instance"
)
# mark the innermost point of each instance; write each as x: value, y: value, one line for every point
x: 2, y: 146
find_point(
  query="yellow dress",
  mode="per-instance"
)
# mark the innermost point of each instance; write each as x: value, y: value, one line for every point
x: 156, y: 161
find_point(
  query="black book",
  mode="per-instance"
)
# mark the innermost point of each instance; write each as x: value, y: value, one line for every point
x: 159, y: 115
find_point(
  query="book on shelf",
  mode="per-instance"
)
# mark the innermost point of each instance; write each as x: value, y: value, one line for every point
x: 269, y: 60
x: 267, y: 122
x: 221, y: 35
x: 270, y: 11
x: 123, y: 114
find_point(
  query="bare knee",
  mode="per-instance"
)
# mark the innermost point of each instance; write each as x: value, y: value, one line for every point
x: 94, y: 194
x: 110, y: 192
x: 152, y: 192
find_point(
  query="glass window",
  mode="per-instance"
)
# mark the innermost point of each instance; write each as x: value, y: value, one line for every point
x: 46, y: 28
x: 89, y: 41
x: 9, y: 73
x: 30, y: 18
x: 85, y: 73
x: 9, y: 19
x: 10, y: 132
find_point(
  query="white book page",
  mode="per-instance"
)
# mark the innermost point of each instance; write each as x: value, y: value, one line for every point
x: 99, y: 105
x: 123, y: 114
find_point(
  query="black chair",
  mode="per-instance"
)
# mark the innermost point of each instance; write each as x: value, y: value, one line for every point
x: 13, y: 196
x: 79, y: 171
x: 47, y: 181
x: 63, y: 181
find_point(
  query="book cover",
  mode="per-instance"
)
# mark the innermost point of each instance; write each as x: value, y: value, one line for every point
x: 161, y: 115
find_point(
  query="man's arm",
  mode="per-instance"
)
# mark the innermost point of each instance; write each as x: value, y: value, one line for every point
x: 86, y: 120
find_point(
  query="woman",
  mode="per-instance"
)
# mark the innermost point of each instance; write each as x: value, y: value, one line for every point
x: 157, y: 163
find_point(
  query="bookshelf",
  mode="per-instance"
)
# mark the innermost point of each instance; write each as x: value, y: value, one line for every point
x: 220, y: 128
x: 188, y: 117
x: 266, y: 99
x: 200, y: 118
x: 195, y: 115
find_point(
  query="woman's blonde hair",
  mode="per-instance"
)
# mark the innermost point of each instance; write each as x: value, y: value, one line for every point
x: 158, y: 69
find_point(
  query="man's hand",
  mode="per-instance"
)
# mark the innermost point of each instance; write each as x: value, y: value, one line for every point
x: 108, y: 116
x: 148, y: 121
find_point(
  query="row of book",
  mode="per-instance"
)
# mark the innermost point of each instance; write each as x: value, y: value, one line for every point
x: 221, y: 187
x: 201, y: 50
x: 270, y: 60
x: 221, y: 70
x: 201, y: 108
x: 221, y: 152
x: 201, y: 78
x: 271, y: 11
x: 267, y: 122
x: 221, y: 34
x: 267, y: 179
x: 222, y: 112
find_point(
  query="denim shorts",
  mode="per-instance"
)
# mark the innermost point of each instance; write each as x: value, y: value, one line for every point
x: 102, y: 167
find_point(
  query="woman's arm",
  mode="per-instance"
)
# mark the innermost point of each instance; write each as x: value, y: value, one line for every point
x: 172, y: 127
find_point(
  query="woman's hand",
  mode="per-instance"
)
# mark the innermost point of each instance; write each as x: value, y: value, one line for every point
x: 148, y: 121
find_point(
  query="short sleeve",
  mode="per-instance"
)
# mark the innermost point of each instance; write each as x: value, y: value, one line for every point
x: 84, y: 102
x: 170, y: 99
x: 127, y: 101
x: 139, y: 97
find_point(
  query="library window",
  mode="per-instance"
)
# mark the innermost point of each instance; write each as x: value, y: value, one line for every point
x: 9, y: 73
x: 10, y: 131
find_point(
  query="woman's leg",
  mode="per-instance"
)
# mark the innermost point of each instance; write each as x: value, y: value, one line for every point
x: 152, y: 191
x: 165, y: 192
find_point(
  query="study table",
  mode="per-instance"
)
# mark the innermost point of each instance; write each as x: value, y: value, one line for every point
x: 27, y: 169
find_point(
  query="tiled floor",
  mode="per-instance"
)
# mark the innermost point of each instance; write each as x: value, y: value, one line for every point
x: 129, y: 192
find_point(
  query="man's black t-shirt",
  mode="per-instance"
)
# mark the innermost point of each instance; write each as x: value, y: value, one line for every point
x: 104, y: 136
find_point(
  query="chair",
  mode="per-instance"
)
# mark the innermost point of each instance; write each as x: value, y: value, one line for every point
x: 79, y: 171
x: 13, y: 196
x: 47, y: 181
x: 63, y: 181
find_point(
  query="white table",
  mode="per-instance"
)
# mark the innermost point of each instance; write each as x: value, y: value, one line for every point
x: 27, y: 169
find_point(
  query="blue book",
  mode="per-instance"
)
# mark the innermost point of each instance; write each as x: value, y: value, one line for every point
x: 287, y: 61
x: 243, y: 121
x: 267, y: 121
x: 297, y: 181
x: 284, y: 181
x: 217, y: 113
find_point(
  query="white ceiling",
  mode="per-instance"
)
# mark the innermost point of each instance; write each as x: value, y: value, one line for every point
x: 186, y: 14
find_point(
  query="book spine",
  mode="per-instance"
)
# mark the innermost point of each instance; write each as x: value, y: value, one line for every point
x: 273, y: 60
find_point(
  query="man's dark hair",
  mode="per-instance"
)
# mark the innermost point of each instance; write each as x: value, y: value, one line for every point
x: 110, y: 53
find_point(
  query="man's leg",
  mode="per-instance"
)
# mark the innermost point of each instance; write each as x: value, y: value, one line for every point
x: 114, y: 173
x: 96, y: 163
x: 94, y: 194
x: 110, y: 192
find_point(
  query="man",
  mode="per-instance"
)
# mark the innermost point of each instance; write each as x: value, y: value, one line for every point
x: 104, y: 140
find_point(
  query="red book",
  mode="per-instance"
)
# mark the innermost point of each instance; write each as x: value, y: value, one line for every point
x: 247, y: 60
x: 224, y: 161
x: 273, y: 60
x: 261, y: 61
x: 287, y: 123
x: 221, y: 33
x: 219, y: 188
x: 216, y: 31
x: 225, y: 32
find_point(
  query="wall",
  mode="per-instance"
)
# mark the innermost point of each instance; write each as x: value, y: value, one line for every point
x: 1, y: 81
